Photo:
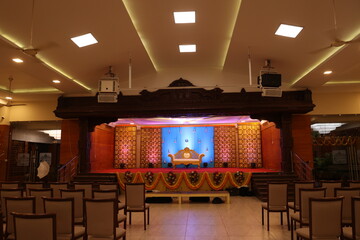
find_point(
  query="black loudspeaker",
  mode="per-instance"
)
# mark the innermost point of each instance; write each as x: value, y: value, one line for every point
x: 270, y: 80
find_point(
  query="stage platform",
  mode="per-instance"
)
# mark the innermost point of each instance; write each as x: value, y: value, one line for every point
x: 182, y: 179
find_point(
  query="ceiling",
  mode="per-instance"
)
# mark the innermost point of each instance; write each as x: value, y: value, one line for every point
x: 143, y: 32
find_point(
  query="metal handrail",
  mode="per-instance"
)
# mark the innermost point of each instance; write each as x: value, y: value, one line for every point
x: 68, y: 170
x: 302, y: 169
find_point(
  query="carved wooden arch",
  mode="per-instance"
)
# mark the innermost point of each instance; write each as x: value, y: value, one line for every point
x: 182, y: 98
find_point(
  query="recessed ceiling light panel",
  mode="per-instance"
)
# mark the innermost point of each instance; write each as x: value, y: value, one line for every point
x: 187, y: 48
x: 56, y: 81
x: 8, y: 98
x: 84, y: 40
x: 17, y: 60
x: 288, y: 30
x: 184, y: 17
x: 328, y: 72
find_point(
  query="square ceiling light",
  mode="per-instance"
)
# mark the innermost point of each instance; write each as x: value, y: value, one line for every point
x: 288, y: 30
x: 184, y: 17
x: 187, y: 48
x: 84, y: 40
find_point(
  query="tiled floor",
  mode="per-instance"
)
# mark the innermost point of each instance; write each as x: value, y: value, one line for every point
x: 206, y: 221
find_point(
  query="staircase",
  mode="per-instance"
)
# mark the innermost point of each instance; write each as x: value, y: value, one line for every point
x: 259, y: 183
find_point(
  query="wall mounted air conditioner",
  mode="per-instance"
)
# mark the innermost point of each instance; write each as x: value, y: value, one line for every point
x: 110, y: 97
x: 271, y: 92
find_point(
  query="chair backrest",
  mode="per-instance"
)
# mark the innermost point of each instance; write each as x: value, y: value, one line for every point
x: 88, y: 187
x: 9, y: 193
x: 305, y: 195
x: 105, y: 194
x: 34, y: 226
x: 354, y: 184
x: 104, y: 209
x: 325, y: 217
x: 1, y: 224
x: 19, y: 205
x: 7, y: 185
x: 297, y: 186
x: 330, y: 186
x: 56, y: 186
x: 64, y: 211
x: 355, y: 206
x: 109, y: 186
x: 33, y: 185
x: 38, y: 193
x: 347, y: 193
x: 78, y: 195
x: 135, y: 195
x: 277, y: 194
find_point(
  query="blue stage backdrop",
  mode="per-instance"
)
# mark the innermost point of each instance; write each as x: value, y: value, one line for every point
x: 200, y: 139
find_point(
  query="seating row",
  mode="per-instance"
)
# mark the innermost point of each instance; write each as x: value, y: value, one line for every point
x: 305, y: 195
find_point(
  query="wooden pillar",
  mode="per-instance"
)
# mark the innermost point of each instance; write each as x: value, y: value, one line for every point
x: 84, y: 145
x: 286, y: 143
x: 86, y: 126
x: 4, y: 147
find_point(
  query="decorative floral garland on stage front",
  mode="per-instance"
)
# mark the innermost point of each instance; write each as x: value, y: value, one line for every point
x: 172, y: 181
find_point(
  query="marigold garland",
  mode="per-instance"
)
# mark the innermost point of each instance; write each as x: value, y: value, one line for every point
x: 129, y: 176
x: 149, y: 177
x: 239, y: 177
x: 171, y: 178
x: 217, y: 177
x: 194, y: 177
x: 227, y: 178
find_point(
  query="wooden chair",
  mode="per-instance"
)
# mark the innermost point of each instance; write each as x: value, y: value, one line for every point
x: 2, y: 226
x: 347, y: 193
x: 78, y: 196
x: 302, y: 216
x: 353, y: 232
x: 111, y: 194
x: 106, y: 210
x: 135, y: 201
x: 109, y: 186
x: 34, y: 226
x: 38, y: 193
x: 324, y: 219
x: 56, y: 186
x: 19, y: 205
x: 330, y: 186
x: 12, y: 184
x: 63, y: 208
x: 13, y: 192
x: 276, y: 202
x: 88, y: 187
x: 354, y: 184
x: 297, y: 185
x: 32, y: 185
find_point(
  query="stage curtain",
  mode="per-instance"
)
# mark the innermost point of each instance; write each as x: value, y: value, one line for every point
x: 125, y: 146
x: 150, y: 147
x: 249, y: 145
x: 225, y: 146
x: 183, y: 182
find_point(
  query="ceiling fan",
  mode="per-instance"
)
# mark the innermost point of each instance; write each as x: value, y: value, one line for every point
x: 9, y: 96
x: 30, y: 50
x: 336, y: 42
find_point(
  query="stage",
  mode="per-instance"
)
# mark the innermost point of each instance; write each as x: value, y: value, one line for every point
x: 183, y: 179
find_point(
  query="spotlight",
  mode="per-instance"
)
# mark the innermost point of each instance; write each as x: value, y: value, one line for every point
x: 150, y: 165
x: 205, y: 164
x: 170, y: 165
x: 122, y: 165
